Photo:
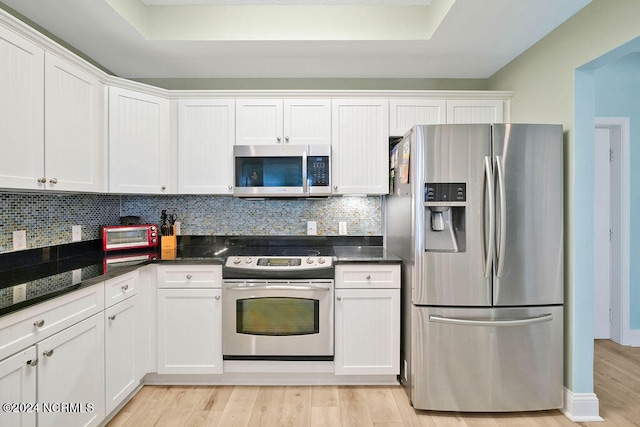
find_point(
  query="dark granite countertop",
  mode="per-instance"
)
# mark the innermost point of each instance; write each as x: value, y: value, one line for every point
x: 53, y: 271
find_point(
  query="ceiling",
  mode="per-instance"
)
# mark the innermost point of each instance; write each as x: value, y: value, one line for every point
x: 148, y: 39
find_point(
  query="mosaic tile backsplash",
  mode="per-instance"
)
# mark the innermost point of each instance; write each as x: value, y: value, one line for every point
x: 48, y: 218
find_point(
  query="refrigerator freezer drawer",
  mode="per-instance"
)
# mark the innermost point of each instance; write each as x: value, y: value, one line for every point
x: 494, y: 359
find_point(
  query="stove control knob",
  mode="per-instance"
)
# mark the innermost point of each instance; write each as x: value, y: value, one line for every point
x: 321, y: 260
x: 248, y: 260
x: 236, y: 260
x: 309, y: 260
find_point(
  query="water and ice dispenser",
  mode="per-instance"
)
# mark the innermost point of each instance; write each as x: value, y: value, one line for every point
x: 445, y: 205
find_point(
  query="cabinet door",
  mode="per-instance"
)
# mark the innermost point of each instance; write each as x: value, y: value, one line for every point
x: 71, y: 370
x: 75, y: 158
x: 18, y: 385
x: 360, y: 146
x: 307, y: 121
x: 475, y: 111
x: 138, y: 143
x: 120, y: 352
x: 259, y: 121
x: 367, y: 332
x: 206, y: 135
x: 406, y: 113
x: 189, y: 331
x: 22, y: 112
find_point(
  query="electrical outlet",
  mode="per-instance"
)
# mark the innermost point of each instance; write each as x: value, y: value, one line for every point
x: 19, y: 240
x: 311, y: 228
x: 342, y: 228
x: 76, y: 233
x: 19, y: 293
x: 76, y: 276
x: 176, y: 228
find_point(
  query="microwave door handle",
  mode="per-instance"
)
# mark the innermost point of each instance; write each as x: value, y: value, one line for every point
x: 305, y: 177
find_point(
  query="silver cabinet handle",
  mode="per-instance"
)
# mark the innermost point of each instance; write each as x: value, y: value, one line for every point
x: 335, y: 187
x: 32, y: 362
x: 286, y: 139
x: 339, y: 298
x: 230, y: 187
x: 125, y: 287
x: 112, y: 317
x: 48, y: 353
x: 217, y: 297
x: 53, y: 180
x: 42, y: 180
x: 189, y: 277
x: 368, y: 277
x: 164, y: 187
x: 279, y: 140
x: 38, y: 323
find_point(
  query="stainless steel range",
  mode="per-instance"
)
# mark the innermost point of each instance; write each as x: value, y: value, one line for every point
x: 278, y: 304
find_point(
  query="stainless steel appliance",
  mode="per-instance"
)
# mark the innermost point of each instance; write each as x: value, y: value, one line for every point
x: 278, y: 307
x: 282, y: 170
x: 477, y: 216
x: 119, y: 237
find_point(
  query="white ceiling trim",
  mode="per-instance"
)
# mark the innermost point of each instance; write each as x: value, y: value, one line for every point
x: 288, y: 2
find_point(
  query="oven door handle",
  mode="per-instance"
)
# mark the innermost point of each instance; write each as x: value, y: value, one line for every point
x: 278, y: 288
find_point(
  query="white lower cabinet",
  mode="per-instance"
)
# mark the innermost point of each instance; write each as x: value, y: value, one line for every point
x: 70, y: 375
x: 367, y: 320
x: 121, y: 375
x: 18, y: 386
x: 189, y: 331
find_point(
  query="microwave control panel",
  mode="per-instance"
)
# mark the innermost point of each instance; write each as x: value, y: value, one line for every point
x: 318, y: 171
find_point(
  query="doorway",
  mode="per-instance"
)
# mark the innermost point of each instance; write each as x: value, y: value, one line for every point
x: 611, y: 230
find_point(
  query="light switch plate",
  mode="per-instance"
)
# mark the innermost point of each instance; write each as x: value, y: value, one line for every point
x: 76, y: 276
x: 19, y: 240
x: 19, y: 293
x: 76, y: 233
x: 311, y: 228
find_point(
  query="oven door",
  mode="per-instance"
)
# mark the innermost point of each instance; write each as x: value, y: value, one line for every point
x: 277, y: 320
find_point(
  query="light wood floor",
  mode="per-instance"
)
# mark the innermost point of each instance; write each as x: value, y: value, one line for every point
x: 617, y: 384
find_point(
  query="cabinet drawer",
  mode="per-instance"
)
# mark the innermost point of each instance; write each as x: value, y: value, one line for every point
x: 24, y: 328
x: 190, y: 276
x: 120, y: 288
x: 368, y: 276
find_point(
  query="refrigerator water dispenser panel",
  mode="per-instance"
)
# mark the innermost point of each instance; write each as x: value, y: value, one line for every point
x: 445, y: 192
x: 445, y: 203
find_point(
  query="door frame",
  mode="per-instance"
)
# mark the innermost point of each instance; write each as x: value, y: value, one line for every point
x: 621, y: 126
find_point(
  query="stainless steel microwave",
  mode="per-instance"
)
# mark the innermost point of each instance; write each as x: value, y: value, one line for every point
x: 282, y: 171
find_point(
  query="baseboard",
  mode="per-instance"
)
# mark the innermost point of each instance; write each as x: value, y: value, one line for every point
x: 581, y: 407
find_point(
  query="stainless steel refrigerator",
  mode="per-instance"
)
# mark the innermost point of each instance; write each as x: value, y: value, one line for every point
x: 476, y: 213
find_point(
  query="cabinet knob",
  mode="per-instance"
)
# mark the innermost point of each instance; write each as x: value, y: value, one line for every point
x: 286, y: 139
x: 335, y: 187
x: 230, y: 187
x: 164, y: 187
x: 48, y: 353
x: 189, y: 277
x: 124, y: 288
x: 42, y: 180
x: 112, y: 317
x: 38, y: 323
x: 53, y: 180
x: 339, y: 298
x: 368, y: 277
x: 217, y: 297
x: 279, y: 140
x: 32, y: 362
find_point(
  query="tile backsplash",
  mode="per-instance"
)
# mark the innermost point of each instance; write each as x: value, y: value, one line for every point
x: 48, y: 218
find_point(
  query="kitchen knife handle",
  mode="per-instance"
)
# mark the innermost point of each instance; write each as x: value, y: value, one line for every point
x: 488, y: 240
x: 503, y: 219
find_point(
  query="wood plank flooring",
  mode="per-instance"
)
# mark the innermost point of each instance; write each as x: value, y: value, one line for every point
x: 616, y: 376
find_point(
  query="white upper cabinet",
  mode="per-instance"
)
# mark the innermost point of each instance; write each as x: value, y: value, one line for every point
x: 406, y: 113
x: 360, y: 146
x: 475, y: 111
x: 138, y: 143
x: 206, y: 135
x: 278, y: 121
x: 22, y: 112
x: 75, y: 154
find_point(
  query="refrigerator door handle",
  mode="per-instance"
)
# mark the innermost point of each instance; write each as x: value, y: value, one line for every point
x: 503, y: 219
x: 487, y: 246
x: 471, y: 322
